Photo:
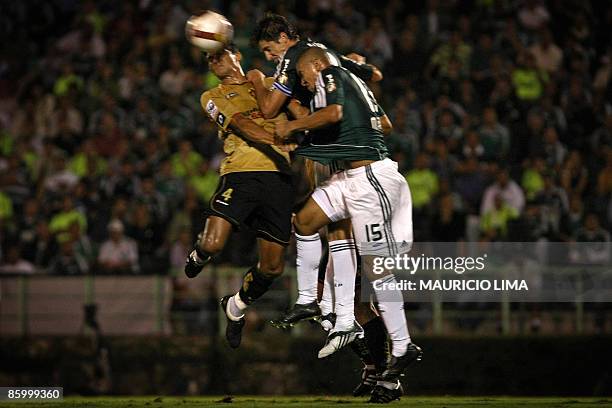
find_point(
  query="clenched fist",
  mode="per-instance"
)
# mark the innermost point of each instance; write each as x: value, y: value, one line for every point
x: 282, y: 129
x: 255, y: 75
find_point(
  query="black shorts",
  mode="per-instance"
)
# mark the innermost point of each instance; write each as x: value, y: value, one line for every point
x: 261, y: 200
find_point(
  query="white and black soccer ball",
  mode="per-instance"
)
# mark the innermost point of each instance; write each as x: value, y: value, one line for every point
x: 209, y: 31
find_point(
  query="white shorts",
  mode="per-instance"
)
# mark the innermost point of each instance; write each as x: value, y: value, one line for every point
x: 377, y: 200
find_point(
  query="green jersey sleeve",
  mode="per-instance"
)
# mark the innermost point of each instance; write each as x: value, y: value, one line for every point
x: 332, y: 87
x: 363, y: 71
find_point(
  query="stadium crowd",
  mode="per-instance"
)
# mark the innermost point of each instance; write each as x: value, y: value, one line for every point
x: 502, y: 120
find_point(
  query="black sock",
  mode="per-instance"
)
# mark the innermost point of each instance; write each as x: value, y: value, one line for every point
x: 204, y: 256
x: 254, y: 285
x: 376, y: 340
x: 360, y: 347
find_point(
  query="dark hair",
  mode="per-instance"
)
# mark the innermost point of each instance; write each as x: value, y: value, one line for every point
x: 270, y: 27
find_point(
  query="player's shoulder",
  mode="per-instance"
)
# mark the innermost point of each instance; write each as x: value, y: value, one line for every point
x: 296, y: 50
x: 334, y: 71
x: 212, y: 100
x: 213, y: 93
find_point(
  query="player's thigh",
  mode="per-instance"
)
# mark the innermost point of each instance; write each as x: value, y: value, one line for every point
x: 325, y: 205
x: 380, y: 210
x: 272, y: 217
x: 215, y: 235
x: 310, y: 219
x: 235, y: 198
x: 271, y: 257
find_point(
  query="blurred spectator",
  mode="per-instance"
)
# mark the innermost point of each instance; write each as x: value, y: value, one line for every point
x: 554, y: 207
x: 527, y: 79
x: 548, y: 56
x: 423, y: 182
x: 172, y: 81
x: 494, y: 136
x: 204, y: 181
x: 550, y: 148
x: 574, y: 175
x: 594, y: 233
x: 186, y: 161
x: 67, y: 215
x: 470, y: 183
x: 143, y: 120
x: 179, y: 250
x: 6, y: 207
x: 533, y: 177
x: 155, y: 202
x: 509, y: 192
x: 118, y: 254
x: 60, y: 178
x: 449, y: 223
x: 409, y: 60
x: 456, y: 50
x: 533, y: 15
x: 376, y: 43
x: 148, y: 233
x: 574, y: 218
x: 45, y: 247
x: 495, y: 220
x: 14, y: 263
x: 471, y: 146
x: 67, y: 261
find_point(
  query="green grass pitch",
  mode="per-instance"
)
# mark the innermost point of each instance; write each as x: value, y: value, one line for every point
x: 318, y: 402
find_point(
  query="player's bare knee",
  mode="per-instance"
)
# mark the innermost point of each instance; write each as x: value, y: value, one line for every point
x: 271, y: 268
x: 303, y: 226
x: 340, y: 230
x: 211, y: 244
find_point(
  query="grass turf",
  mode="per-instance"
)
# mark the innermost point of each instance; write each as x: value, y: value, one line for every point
x: 318, y: 402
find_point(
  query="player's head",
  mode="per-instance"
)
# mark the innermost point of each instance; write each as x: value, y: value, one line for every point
x: 311, y: 62
x: 225, y: 62
x: 274, y: 34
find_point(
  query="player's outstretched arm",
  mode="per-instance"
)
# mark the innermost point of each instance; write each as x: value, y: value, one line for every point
x: 270, y: 101
x: 357, y: 65
x: 327, y: 116
x: 250, y: 130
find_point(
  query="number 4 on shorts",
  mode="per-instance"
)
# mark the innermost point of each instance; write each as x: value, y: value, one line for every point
x: 227, y: 194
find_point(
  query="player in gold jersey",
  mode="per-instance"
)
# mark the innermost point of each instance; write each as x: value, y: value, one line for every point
x: 255, y: 189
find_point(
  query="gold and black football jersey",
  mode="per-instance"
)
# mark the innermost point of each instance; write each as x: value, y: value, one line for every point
x: 221, y: 104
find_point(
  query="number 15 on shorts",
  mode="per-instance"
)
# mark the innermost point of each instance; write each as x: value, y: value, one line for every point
x: 373, y: 232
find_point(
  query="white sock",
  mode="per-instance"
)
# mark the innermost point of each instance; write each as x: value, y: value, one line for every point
x: 328, y: 299
x: 344, y: 258
x: 307, y: 264
x: 391, y: 306
x: 235, y: 308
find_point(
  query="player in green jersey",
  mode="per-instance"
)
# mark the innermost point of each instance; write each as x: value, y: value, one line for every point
x: 346, y: 126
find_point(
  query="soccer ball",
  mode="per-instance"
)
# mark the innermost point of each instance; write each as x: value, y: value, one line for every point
x: 209, y: 31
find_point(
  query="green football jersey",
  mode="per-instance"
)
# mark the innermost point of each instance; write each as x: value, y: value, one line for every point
x: 359, y: 134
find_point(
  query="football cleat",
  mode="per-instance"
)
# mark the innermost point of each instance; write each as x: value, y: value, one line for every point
x: 397, y: 365
x: 193, y: 265
x: 233, y: 331
x: 297, y: 314
x: 338, y: 339
x: 385, y: 392
x: 369, y: 377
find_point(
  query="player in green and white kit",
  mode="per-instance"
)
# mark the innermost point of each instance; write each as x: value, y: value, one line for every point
x: 346, y: 126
